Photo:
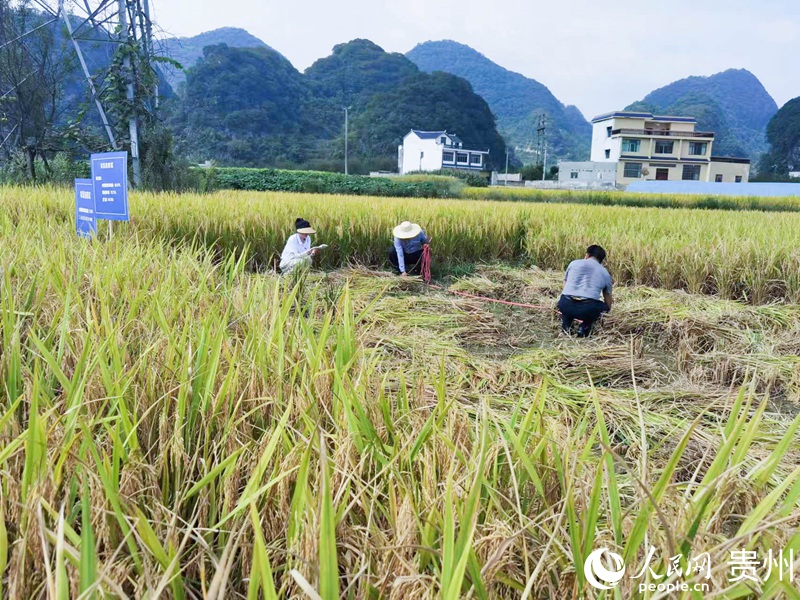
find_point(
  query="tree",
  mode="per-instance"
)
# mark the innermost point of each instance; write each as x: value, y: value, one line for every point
x: 438, y: 101
x: 245, y: 106
x: 32, y: 70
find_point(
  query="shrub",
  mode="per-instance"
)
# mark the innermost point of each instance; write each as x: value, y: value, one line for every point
x: 318, y: 182
x: 470, y: 178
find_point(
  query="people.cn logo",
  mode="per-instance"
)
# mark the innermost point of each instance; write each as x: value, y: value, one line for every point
x: 596, y: 572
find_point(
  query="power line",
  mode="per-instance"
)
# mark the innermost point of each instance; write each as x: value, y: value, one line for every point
x: 27, y: 33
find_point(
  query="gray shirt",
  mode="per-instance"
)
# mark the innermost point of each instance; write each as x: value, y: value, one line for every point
x: 586, y: 278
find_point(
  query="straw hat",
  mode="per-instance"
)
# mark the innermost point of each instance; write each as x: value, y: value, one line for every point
x: 406, y: 230
x: 303, y: 226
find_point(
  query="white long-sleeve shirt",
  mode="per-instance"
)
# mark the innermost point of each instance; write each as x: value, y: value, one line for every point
x: 295, y: 248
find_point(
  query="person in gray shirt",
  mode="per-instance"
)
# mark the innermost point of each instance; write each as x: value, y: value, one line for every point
x: 585, y: 281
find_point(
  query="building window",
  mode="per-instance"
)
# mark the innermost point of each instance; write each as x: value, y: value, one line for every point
x: 697, y: 148
x: 608, y: 131
x: 717, y: 178
x: 691, y: 172
x: 444, y: 140
x: 662, y: 174
x: 608, y: 153
x: 462, y: 157
x: 631, y: 145
x: 448, y: 157
x: 738, y: 179
x: 573, y: 175
x: 475, y: 159
x: 664, y: 147
x: 633, y: 170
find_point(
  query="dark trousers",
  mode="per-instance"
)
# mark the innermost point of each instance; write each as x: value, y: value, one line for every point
x: 586, y: 310
x: 413, y: 261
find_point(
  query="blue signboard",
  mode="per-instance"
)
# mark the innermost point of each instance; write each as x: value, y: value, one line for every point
x: 85, y: 221
x: 110, y: 179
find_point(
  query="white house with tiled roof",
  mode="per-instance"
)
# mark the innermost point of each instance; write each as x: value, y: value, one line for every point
x: 436, y: 150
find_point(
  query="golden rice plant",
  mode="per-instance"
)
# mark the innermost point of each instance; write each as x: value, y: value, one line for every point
x: 174, y: 424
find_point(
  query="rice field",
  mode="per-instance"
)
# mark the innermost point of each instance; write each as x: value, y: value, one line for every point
x: 749, y: 256
x: 178, y: 422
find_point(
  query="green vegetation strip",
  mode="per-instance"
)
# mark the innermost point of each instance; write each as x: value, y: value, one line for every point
x: 320, y: 182
x: 448, y: 185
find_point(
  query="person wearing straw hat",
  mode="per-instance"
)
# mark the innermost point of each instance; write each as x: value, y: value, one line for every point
x: 585, y: 280
x: 406, y: 252
x: 298, y: 251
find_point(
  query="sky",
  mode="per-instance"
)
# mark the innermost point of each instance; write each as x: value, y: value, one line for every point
x: 599, y: 56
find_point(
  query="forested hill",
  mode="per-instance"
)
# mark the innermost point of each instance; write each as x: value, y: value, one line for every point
x: 733, y: 104
x: 516, y: 100
x: 251, y: 107
x: 188, y: 50
x: 783, y: 136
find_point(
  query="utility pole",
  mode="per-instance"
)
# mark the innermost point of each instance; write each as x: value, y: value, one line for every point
x: 346, y: 109
x: 541, y: 140
x: 133, y: 123
x: 544, y: 162
x: 506, y: 182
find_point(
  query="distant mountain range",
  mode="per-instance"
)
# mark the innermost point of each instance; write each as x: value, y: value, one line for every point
x: 516, y: 100
x: 733, y: 104
x: 251, y: 107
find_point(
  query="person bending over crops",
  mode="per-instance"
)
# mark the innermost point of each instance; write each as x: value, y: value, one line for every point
x: 298, y: 251
x: 406, y: 252
x: 585, y: 280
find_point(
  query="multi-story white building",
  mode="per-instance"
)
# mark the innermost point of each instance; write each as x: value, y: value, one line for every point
x: 436, y: 150
x: 646, y: 146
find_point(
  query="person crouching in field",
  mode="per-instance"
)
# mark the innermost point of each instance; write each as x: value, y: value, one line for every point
x: 298, y: 251
x: 406, y: 252
x: 584, y: 281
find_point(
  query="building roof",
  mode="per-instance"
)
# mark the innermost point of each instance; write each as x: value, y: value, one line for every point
x: 435, y: 135
x: 428, y: 135
x: 630, y: 114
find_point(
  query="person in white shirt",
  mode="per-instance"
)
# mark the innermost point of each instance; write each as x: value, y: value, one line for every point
x: 298, y: 251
